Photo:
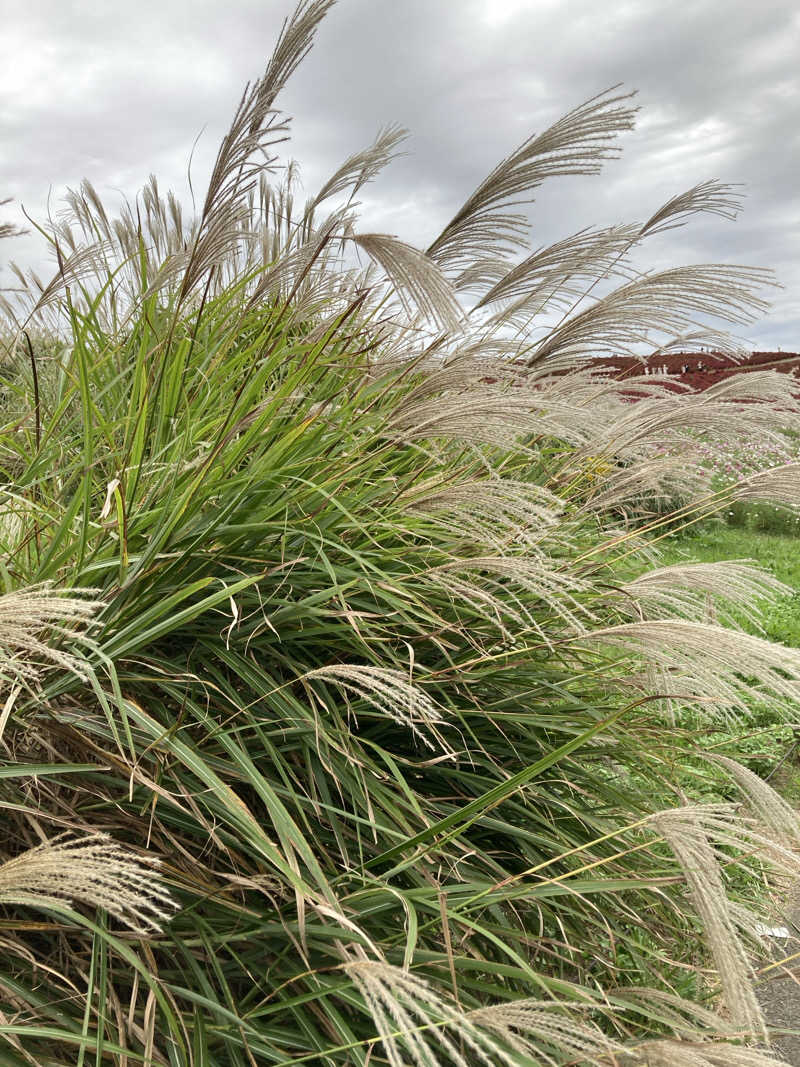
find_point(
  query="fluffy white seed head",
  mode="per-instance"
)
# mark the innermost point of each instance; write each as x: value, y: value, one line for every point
x: 90, y: 869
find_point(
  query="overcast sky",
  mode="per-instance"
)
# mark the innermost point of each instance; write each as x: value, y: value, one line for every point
x: 114, y: 91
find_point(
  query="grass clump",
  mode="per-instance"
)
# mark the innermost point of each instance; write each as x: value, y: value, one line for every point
x: 369, y: 659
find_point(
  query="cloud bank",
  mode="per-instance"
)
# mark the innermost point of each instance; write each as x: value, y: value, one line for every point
x: 114, y: 93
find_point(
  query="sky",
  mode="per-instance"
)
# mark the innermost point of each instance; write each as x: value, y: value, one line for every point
x: 113, y: 91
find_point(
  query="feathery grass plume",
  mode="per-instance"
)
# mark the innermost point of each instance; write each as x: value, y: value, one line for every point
x: 577, y: 257
x: 778, y: 485
x: 301, y: 276
x: 494, y: 512
x: 657, y: 304
x: 391, y: 693
x: 667, y: 1053
x: 686, y: 836
x: 738, y: 588
x: 712, y: 197
x: 255, y: 129
x: 779, y: 817
x: 28, y: 615
x: 728, y: 828
x: 414, y: 275
x: 8, y: 229
x: 38, y: 296
x: 683, y: 1018
x: 621, y: 428
x: 600, y: 485
x: 548, y: 1031
x: 362, y: 166
x: 546, y: 279
x: 493, y: 415
x: 536, y: 579
x: 413, y: 1018
x: 578, y: 143
x: 709, y: 663
x: 91, y: 869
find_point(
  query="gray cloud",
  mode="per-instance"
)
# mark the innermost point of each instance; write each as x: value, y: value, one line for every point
x: 113, y: 92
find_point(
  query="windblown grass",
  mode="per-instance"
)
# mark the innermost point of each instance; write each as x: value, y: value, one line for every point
x: 382, y: 664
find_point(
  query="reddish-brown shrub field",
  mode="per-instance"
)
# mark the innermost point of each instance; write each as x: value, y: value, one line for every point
x: 700, y: 370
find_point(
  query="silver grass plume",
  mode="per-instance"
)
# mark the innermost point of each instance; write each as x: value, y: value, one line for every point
x: 684, y: 1018
x: 669, y: 1053
x: 534, y: 577
x: 547, y: 1031
x: 490, y: 512
x: 685, y: 834
x: 362, y: 166
x: 37, y: 296
x: 622, y: 429
x: 27, y: 616
x: 546, y: 279
x: 638, y: 483
x: 578, y: 143
x: 495, y: 415
x: 390, y: 692
x: 779, y: 818
x: 778, y: 485
x: 594, y: 256
x: 415, y: 278
x: 245, y: 151
x: 414, y: 1020
x: 712, y: 197
x: 93, y: 870
x: 738, y: 587
x: 706, y: 663
x: 8, y: 229
x: 656, y: 304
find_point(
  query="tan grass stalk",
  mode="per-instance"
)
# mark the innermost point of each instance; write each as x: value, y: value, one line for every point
x: 619, y: 428
x: 528, y: 1025
x: 682, y: 590
x: 246, y: 148
x: 534, y: 577
x: 712, y: 197
x: 391, y: 693
x: 415, y: 277
x: 778, y: 485
x: 662, y: 303
x: 668, y: 1053
x: 491, y: 512
x: 686, y: 836
x: 644, y: 482
x: 706, y: 663
x: 93, y: 870
x: 496, y: 415
x: 685, y: 1018
x: 27, y: 616
x: 578, y: 143
x: 777, y: 816
x: 412, y: 1018
x: 362, y: 166
x: 546, y: 279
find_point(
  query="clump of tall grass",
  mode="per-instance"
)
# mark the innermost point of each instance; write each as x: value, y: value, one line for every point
x: 366, y: 638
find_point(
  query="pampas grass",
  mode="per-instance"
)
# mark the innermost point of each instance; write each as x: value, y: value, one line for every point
x: 91, y: 869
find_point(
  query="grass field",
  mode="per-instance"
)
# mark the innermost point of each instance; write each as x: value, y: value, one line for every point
x: 777, y: 550
x: 768, y: 743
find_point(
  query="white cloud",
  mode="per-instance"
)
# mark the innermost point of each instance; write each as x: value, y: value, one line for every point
x: 114, y: 92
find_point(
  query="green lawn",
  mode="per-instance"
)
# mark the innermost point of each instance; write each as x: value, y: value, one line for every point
x: 778, y: 552
x: 769, y: 745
